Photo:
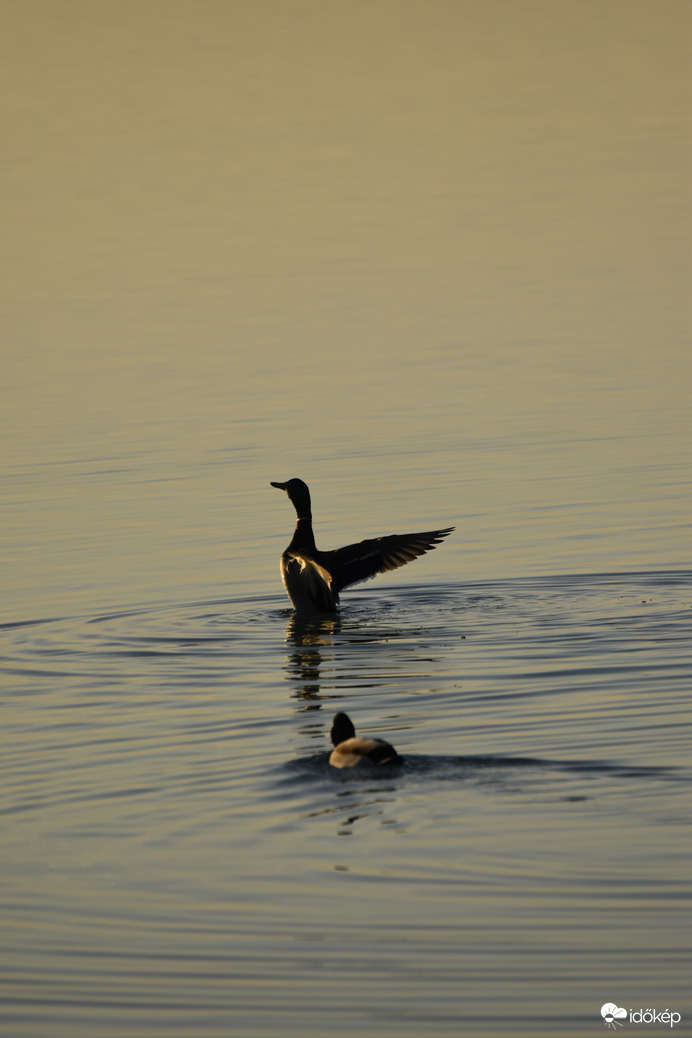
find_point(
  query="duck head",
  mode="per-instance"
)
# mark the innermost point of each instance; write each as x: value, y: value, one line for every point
x: 299, y: 494
x: 342, y: 729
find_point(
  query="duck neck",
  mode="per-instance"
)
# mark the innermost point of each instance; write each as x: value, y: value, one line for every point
x: 303, y: 536
x: 301, y: 503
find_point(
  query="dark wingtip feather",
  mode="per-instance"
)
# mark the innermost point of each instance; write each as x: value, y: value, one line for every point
x: 364, y: 560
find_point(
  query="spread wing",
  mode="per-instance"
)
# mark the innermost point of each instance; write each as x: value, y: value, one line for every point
x: 366, y: 559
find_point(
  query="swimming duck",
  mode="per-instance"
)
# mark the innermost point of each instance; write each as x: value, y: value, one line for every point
x: 314, y: 578
x: 351, y: 750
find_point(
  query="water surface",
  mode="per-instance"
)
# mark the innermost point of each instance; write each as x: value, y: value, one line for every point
x: 434, y: 260
x: 178, y: 853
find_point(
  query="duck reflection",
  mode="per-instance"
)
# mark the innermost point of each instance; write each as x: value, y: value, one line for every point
x: 359, y: 802
x: 311, y: 644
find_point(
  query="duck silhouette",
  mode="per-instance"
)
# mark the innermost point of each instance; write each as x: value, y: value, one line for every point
x: 313, y: 579
x: 352, y: 751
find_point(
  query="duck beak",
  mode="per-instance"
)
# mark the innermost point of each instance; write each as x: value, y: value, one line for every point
x: 279, y: 486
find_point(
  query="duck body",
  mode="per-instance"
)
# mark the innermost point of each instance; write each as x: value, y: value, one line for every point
x: 313, y: 579
x: 352, y: 751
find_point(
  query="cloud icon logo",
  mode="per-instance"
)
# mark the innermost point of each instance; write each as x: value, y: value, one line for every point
x: 612, y: 1014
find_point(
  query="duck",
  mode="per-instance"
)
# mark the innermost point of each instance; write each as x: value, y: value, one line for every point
x: 313, y: 579
x: 351, y: 751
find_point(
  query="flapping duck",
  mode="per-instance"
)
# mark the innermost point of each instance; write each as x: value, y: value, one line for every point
x: 313, y: 579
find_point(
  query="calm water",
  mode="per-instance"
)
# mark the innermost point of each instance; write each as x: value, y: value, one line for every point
x: 435, y: 261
